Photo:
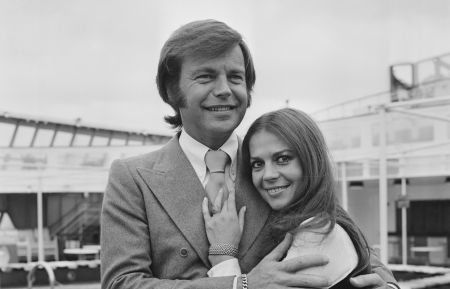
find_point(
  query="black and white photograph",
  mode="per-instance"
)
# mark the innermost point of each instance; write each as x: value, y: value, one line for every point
x: 241, y: 144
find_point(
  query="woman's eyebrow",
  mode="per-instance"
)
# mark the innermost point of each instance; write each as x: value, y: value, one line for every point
x: 283, y: 151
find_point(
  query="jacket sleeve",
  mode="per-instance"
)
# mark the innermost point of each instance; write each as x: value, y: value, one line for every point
x: 125, y: 241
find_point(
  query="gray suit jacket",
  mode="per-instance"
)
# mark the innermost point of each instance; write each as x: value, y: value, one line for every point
x: 152, y: 229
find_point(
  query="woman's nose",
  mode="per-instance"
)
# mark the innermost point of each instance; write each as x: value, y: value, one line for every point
x: 270, y: 173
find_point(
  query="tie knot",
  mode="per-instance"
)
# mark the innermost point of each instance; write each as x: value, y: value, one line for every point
x: 216, y: 161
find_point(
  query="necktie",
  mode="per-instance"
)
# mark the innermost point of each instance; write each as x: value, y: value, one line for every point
x: 215, y: 162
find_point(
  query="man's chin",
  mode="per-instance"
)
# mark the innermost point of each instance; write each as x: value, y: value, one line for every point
x: 224, y: 125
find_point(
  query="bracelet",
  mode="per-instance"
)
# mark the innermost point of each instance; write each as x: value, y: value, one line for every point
x: 223, y: 249
x: 244, y: 281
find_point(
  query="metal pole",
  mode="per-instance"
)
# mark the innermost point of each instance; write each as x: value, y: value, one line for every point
x: 383, y: 187
x: 344, y: 187
x: 404, y: 226
x: 40, y: 227
x: 40, y: 216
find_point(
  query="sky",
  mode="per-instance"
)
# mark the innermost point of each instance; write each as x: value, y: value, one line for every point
x: 97, y: 59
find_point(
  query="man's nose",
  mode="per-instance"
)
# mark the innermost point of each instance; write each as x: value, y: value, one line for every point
x: 222, y: 87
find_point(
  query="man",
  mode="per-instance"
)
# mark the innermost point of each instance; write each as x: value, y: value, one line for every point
x: 152, y: 232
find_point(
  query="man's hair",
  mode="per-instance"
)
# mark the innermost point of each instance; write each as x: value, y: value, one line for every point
x: 316, y: 197
x: 205, y: 39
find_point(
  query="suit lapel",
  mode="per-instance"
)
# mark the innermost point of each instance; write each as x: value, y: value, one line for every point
x: 257, y: 209
x: 176, y: 186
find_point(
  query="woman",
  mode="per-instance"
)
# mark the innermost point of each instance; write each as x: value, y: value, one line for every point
x: 290, y: 167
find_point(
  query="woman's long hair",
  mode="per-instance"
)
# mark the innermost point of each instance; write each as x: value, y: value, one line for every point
x: 316, y: 195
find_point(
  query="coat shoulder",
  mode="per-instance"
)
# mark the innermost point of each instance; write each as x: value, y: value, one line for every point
x: 156, y: 159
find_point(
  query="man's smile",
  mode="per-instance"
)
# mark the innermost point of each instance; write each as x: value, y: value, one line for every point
x: 220, y: 108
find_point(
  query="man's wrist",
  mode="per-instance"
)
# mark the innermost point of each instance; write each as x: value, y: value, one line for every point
x: 244, y: 281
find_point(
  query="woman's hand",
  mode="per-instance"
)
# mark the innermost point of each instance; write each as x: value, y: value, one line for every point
x: 225, y: 226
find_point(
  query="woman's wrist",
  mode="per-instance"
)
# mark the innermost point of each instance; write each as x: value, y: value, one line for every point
x: 224, y: 249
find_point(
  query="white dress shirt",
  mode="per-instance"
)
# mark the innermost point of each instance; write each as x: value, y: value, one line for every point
x: 196, y: 151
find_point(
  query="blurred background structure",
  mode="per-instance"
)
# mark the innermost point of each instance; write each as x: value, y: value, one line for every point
x: 52, y: 175
x: 392, y: 151
x: 391, y: 148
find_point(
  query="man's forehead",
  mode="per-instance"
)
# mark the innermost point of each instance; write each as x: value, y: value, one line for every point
x: 202, y: 62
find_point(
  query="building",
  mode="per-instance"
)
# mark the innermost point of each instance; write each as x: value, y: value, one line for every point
x: 392, y: 155
x: 52, y: 177
x: 391, y: 150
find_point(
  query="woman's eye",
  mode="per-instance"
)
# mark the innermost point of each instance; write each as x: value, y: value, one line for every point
x: 256, y: 164
x: 283, y: 159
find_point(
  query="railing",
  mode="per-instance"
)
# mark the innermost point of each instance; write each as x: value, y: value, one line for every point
x: 358, y: 106
x: 427, y: 78
x: 48, y: 269
x: 369, y: 104
x: 84, y: 214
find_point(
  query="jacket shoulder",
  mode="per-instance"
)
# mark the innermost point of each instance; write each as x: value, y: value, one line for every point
x: 151, y: 159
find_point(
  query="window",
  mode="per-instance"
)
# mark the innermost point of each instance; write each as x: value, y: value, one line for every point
x: 119, y: 139
x: 343, y: 138
x: 44, y: 137
x: 82, y: 138
x: 7, y: 131
x: 404, y: 130
x: 63, y: 138
x: 101, y: 138
x: 24, y: 136
x: 136, y: 140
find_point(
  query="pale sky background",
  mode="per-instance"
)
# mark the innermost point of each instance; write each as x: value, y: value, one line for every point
x: 97, y: 59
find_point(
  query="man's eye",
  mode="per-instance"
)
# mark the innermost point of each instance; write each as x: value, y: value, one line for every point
x: 237, y: 78
x: 204, y: 77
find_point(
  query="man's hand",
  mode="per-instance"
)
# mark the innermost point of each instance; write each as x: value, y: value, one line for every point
x: 372, y: 281
x: 271, y: 272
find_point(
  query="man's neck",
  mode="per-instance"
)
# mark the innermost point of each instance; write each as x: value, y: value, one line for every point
x: 212, y: 142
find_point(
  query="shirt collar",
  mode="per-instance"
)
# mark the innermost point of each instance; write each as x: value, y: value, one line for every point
x: 196, y: 151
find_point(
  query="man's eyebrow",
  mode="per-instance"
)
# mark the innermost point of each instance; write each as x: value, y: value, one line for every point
x: 237, y: 70
x: 202, y: 69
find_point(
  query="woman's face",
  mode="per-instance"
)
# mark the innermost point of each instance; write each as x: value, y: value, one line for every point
x: 276, y: 171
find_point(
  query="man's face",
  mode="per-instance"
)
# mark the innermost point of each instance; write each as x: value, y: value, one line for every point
x: 215, y: 95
